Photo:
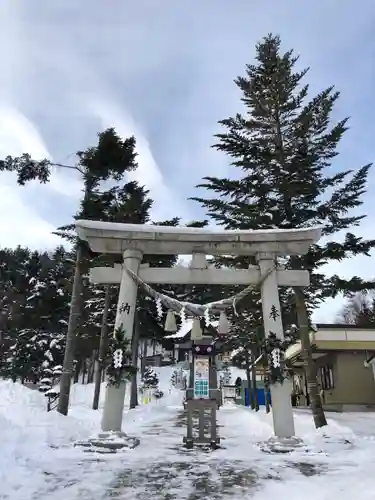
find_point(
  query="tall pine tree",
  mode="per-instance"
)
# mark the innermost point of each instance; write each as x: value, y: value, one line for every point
x: 283, y: 146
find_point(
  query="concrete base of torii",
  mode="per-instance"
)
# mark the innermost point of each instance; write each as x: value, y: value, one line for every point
x: 112, y: 439
x: 109, y: 442
x: 282, y: 410
x: 113, y: 408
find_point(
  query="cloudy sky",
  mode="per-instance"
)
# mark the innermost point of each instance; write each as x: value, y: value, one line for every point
x: 162, y: 70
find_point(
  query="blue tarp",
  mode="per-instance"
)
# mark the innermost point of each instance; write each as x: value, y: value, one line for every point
x: 261, y: 397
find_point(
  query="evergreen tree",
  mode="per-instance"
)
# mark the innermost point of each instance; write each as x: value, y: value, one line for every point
x: 150, y: 379
x: 283, y: 147
x: 32, y: 353
x: 26, y: 170
x: 226, y: 377
x: 359, y: 310
x: 48, y: 296
x: 26, y: 357
x: 174, y: 378
x: 35, y: 293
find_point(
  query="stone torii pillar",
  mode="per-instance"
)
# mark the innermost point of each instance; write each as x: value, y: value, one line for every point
x: 115, y: 395
x: 282, y: 411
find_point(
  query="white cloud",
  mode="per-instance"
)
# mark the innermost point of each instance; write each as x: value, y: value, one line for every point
x: 21, y: 226
x: 166, y: 203
x: 18, y: 135
x: 19, y: 223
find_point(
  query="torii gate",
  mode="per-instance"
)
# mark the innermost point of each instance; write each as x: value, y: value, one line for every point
x: 133, y: 241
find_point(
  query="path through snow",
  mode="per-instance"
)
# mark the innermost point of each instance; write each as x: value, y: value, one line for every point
x: 326, y: 464
x: 39, y: 462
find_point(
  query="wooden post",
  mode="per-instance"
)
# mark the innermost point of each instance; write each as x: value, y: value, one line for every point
x: 201, y: 423
x: 135, y: 344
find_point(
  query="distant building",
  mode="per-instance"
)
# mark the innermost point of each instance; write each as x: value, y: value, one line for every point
x: 345, y: 359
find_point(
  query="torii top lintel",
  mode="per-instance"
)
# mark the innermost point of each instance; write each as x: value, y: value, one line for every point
x: 115, y: 238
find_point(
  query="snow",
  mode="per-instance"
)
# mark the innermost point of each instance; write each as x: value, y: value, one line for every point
x: 186, y: 326
x: 183, y: 330
x: 239, y: 372
x: 149, y: 228
x: 38, y: 459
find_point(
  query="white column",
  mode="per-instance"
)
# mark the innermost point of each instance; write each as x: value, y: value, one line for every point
x: 115, y: 396
x: 270, y: 297
x: 282, y: 411
x: 128, y: 293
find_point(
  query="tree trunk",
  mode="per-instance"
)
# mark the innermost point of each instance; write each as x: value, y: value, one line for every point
x: 90, y: 375
x: 77, y: 371
x: 308, y: 361
x: 74, y: 315
x: 266, y: 382
x: 254, y: 382
x: 248, y: 377
x: 133, y: 385
x: 84, y: 371
x: 267, y: 393
x: 144, y: 354
x: 99, y: 363
x: 3, y: 318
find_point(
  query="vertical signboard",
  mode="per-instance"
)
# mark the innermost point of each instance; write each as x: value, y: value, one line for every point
x: 201, y: 378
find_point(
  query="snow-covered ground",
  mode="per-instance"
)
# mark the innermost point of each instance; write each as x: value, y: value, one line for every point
x: 38, y: 459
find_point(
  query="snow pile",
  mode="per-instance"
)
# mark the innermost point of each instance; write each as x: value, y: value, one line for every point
x: 330, y: 461
x: 28, y: 435
x: 25, y: 409
x: 164, y: 374
x: 81, y: 396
